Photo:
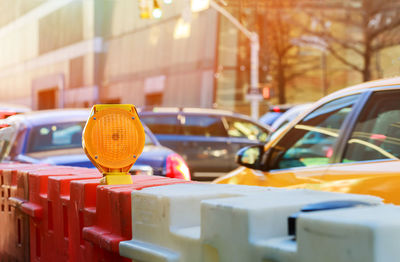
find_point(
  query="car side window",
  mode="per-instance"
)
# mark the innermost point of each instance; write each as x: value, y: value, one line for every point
x: 376, y: 134
x: 241, y: 128
x: 56, y: 136
x: 194, y: 125
x: 162, y: 125
x: 311, y: 141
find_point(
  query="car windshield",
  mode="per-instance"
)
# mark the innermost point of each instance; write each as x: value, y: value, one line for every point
x: 59, y: 136
x: 55, y: 136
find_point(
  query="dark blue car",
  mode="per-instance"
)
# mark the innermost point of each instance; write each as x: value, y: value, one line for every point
x: 55, y: 137
x: 208, y: 139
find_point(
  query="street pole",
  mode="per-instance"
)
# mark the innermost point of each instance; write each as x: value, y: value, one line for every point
x: 324, y: 73
x: 253, y: 94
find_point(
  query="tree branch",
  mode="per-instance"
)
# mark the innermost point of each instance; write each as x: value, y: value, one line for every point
x: 343, y: 60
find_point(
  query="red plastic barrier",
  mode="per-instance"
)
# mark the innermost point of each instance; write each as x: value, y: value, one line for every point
x: 14, y: 224
x: 82, y: 213
x: 59, y: 198
x: 64, y: 214
x: 113, y: 216
x: 48, y: 208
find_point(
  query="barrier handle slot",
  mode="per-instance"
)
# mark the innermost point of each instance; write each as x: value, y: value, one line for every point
x: 32, y: 209
x: 322, y: 206
x: 16, y: 202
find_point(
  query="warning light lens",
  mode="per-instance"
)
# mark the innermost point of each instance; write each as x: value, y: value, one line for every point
x: 113, y: 138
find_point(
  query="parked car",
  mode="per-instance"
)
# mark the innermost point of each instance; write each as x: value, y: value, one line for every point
x: 7, y: 110
x: 289, y: 115
x: 55, y: 137
x: 347, y: 142
x: 208, y: 139
x: 274, y: 113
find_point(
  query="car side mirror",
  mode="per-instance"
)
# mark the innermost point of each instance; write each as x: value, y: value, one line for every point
x: 251, y: 156
x: 256, y: 157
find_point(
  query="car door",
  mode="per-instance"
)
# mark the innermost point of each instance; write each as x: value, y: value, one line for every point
x: 303, y: 153
x: 242, y: 133
x: 369, y: 162
x: 204, y: 145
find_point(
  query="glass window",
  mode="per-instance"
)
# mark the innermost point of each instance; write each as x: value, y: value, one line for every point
x: 7, y: 136
x: 154, y: 99
x: 311, y: 141
x: 166, y: 125
x: 203, y: 126
x: 270, y: 117
x: 147, y: 140
x: 56, y: 136
x: 377, y: 132
x: 241, y: 128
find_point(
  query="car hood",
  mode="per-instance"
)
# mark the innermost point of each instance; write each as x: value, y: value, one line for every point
x: 152, y: 155
x: 68, y: 157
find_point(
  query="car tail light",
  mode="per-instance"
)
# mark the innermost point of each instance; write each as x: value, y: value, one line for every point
x: 4, y: 115
x: 276, y: 109
x: 177, y: 168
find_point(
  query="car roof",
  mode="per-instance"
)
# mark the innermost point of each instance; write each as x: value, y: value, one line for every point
x: 191, y: 110
x: 53, y: 116
x: 364, y: 86
x: 16, y: 108
x: 197, y: 111
x: 43, y: 117
x: 194, y: 110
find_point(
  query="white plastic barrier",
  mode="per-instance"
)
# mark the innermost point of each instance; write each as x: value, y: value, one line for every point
x: 358, y: 235
x: 207, y: 222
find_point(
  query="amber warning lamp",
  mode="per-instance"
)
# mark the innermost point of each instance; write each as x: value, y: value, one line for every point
x: 113, y: 139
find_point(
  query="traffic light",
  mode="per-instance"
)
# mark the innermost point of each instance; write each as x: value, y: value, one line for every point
x: 267, y: 91
x: 157, y: 12
x: 199, y: 5
x: 149, y: 9
x: 145, y: 9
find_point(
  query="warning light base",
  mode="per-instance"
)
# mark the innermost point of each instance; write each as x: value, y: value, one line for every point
x: 116, y: 178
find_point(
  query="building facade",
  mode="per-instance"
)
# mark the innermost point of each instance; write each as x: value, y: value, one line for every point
x: 74, y: 53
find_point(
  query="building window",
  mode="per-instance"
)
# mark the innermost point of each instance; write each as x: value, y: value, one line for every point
x: 76, y: 78
x: 154, y: 99
x: 47, y: 98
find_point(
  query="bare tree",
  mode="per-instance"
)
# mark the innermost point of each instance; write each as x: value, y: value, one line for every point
x: 278, y: 26
x: 353, y: 31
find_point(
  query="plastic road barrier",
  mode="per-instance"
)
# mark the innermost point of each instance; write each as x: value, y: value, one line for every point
x: 82, y: 213
x: 53, y: 213
x: 207, y: 222
x: 48, y: 210
x: 14, y: 226
x: 113, y: 212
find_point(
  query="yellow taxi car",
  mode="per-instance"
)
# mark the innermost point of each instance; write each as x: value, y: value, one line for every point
x: 347, y: 142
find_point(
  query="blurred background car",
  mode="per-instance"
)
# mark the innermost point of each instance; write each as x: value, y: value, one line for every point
x: 348, y: 142
x: 289, y: 115
x: 55, y: 137
x: 274, y: 113
x: 208, y: 139
x: 7, y: 110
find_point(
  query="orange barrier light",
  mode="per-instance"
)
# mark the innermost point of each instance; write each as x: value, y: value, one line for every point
x: 113, y: 139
